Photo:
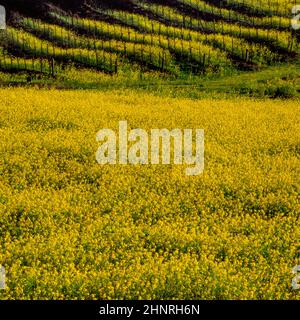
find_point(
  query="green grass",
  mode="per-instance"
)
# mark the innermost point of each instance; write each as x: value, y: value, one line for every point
x: 281, y: 81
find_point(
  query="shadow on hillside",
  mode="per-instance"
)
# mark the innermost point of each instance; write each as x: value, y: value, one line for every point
x: 39, y: 8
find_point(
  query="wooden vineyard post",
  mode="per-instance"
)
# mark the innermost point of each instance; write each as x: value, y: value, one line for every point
x: 52, y: 66
x: 116, y: 65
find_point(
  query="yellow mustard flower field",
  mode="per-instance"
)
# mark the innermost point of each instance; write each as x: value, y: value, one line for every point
x: 73, y: 229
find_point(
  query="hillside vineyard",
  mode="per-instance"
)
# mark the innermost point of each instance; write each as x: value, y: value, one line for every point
x: 171, y: 38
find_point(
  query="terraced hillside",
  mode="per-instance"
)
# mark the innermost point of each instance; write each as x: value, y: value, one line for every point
x: 173, y: 37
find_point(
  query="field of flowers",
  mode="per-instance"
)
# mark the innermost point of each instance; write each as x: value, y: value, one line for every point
x: 72, y: 229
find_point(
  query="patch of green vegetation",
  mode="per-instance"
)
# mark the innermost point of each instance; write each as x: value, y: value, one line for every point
x: 282, y: 81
